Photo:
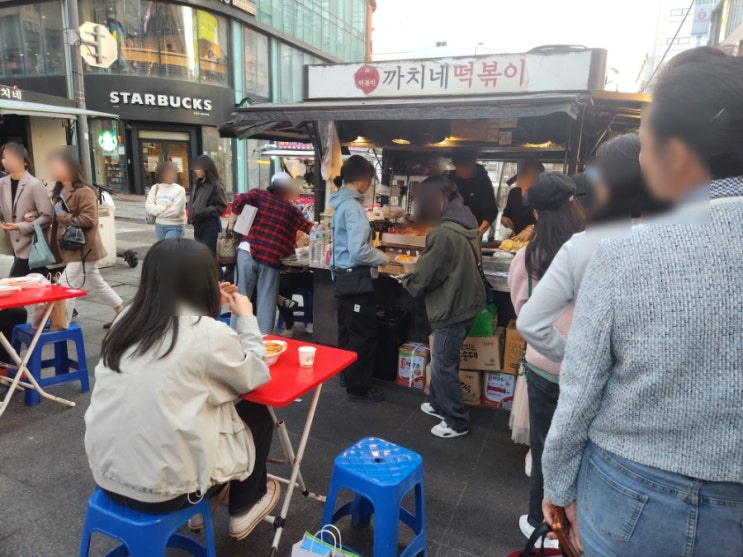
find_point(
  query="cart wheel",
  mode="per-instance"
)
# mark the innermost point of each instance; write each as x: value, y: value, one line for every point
x: 132, y: 261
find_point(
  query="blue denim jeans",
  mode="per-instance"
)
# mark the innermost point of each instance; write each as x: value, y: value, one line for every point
x: 445, y: 391
x: 625, y: 508
x: 250, y: 275
x: 169, y: 231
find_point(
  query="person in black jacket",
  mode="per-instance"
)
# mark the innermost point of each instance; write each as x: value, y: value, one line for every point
x: 516, y: 215
x: 475, y: 187
x: 208, y: 202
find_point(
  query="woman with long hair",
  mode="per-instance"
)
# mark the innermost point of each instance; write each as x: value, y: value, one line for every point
x: 447, y: 275
x: 208, y: 203
x: 645, y: 452
x: 23, y: 200
x: 558, y: 216
x: 162, y: 429
x: 76, y: 204
x: 622, y: 196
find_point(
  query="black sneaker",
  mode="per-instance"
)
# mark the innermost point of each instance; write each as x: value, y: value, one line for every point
x: 108, y: 325
x: 372, y: 395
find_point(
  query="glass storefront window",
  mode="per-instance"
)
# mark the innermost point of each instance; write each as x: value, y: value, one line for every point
x: 31, y: 41
x: 164, y: 39
x: 219, y: 149
x: 256, y: 66
x: 291, y: 76
x: 109, y: 154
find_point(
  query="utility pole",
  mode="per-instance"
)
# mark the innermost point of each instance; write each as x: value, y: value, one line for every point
x: 78, y: 87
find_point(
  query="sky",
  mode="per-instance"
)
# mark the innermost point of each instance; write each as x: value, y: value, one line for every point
x: 626, y: 28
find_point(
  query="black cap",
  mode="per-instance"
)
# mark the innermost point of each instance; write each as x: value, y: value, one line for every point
x: 550, y: 191
x: 464, y: 155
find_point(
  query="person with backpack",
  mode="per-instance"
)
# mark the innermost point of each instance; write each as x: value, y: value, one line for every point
x: 447, y: 274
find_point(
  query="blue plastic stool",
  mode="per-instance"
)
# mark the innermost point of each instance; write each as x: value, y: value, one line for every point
x: 304, y: 314
x: 65, y: 368
x: 381, y: 474
x: 225, y: 318
x: 142, y: 534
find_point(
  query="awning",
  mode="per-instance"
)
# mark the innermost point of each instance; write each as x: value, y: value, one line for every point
x: 24, y: 108
x: 256, y: 119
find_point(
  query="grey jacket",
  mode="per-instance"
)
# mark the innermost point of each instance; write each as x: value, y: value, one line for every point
x: 652, y: 370
x: 31, y: 197
x: 166, y: 425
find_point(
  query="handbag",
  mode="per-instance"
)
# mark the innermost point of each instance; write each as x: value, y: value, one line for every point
x: 72, y: 239
x: 353, y: 281
x: 319, y: 546
x: 149, y: 218
x: 566, y: 546
x: 41, y: 255
x: 227, y: 243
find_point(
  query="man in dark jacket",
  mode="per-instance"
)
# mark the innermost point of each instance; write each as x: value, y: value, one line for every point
x: 475, y: 187
x: 516, y: 215
x: 447, y: 275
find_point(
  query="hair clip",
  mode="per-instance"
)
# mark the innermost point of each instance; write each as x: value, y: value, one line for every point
x: 717, y: 116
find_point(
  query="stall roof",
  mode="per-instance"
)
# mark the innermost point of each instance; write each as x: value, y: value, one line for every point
x: 285, y: 119
x: 26, y: 108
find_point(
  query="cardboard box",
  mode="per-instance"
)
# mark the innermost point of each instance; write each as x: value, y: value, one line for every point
x: 497, y: 389
x: 481, y: 353
x: 412, y: 360
x: 427, y: 387
x: 471, y: 383
x: 515, y: 345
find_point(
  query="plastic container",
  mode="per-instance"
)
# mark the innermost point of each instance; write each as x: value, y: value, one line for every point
x: 392, y: 332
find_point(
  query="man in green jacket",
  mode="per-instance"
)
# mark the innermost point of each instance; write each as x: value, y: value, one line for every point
x: 447, y: 275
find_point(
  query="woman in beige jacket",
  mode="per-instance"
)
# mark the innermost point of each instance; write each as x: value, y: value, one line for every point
x: 76, y: 204
x: 23, y: 199
x: 162, y: 430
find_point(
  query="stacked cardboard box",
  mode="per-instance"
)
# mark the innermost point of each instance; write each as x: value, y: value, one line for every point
x: 413, y: 358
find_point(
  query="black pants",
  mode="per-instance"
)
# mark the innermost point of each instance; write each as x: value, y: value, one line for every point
x: 357, y: 331
x: 543, y: 395
x: 9, y: 318
x: 244, y: 494
x: 289, y: 283
x: 206, y: 232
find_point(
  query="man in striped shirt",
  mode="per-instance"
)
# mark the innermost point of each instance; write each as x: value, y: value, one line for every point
x: 272, y: 237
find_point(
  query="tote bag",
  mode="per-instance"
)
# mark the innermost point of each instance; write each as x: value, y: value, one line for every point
x: 41, y: 255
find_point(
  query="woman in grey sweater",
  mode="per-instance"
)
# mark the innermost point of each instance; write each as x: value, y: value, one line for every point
x: 646, y: 446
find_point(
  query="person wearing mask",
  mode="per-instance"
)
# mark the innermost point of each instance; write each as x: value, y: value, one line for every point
x: 23, y: 200
x: 447, y: 275
x: 166, y: 202
x: 475, y: 188
x: 622, y: 196
x: 646, y: 446
x: 208, y: 202
x: 516, y: 214
x: 171, y: 372
x: 354, y: 264
x: 76, y: 204
x: 272, y: 236
x: 558, y: 217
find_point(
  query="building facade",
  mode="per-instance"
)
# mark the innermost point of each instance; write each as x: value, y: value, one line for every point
x: 181, y: 69
x: 726, y: 30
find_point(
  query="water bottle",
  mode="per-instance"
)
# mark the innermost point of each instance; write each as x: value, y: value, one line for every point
x: 315, y: 244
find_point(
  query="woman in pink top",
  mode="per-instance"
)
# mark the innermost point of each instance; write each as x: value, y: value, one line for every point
x: 559, y: 216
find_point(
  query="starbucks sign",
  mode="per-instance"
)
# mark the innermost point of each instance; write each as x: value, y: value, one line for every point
x: 108, y: 141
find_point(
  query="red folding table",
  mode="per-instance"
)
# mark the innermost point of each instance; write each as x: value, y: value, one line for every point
x: 289, y: 382
x: 32, y: 297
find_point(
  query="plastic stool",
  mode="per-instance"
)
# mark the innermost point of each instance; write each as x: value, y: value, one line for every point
x: 225, y: 318
x: 305, y: 312
x: 381, y: 474
x: 143, y: 534
x: 65, y: 368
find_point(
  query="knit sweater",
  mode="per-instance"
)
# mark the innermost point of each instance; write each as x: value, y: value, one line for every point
x: 652, y: 370
x: 518, y: 283
x: 167, y: 203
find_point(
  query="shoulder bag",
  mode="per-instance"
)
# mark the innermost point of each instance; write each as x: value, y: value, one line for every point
x: 149, y: 218
x: 227, y: 243
x: 41, y: 255
x: 490, y: 297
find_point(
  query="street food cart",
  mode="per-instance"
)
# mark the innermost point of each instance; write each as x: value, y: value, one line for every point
x: 547, y: 104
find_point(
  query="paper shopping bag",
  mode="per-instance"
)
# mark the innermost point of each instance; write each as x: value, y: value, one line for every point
x: 59, y: 316
x: 309, y: 546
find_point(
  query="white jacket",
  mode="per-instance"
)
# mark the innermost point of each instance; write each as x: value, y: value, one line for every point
x: 164, y: 427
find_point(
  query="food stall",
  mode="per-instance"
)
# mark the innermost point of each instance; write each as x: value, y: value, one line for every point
x: 547, y: 104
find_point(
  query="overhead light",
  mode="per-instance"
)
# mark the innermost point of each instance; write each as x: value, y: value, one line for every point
x: 360, y: 139
x: 401, y: 141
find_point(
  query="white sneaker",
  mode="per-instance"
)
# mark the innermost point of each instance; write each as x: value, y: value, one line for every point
x: 427, y: 408
x: 196, y: 522
x: 527, y: 529
x: 309, y: 328
x: 527, y: 464
x: 241, y: 526
x: 445, y: 432
x: 287, y: 333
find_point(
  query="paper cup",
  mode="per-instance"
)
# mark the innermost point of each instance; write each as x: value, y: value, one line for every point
x: 307, y: 356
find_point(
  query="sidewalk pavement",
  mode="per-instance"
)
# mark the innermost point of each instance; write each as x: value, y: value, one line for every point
x: 475, y: 485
